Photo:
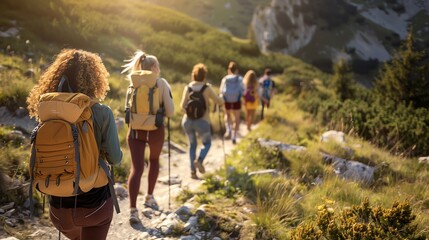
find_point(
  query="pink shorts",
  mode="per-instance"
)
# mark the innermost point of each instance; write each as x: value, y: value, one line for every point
x: 233, y: 106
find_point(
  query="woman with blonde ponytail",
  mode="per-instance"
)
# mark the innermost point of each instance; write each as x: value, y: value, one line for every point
x: 144, y: 69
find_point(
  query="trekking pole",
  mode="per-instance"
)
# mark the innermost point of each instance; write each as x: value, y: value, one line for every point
x: 221, y: 133
x: 169, y: 156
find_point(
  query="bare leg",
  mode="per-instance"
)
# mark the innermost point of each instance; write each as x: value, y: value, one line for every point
x: 250, y: 116
x: 236, y: 123
x: 228, y: 123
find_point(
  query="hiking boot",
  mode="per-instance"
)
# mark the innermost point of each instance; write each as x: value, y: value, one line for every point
x: 194, y: 175
x: 227, y: 135
x: 151, y: 203
x: 199, y: 166
x: 234, y: 141
x: 134, y: 216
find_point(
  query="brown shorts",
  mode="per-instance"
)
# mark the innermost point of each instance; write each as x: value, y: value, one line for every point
x: 233, y: 106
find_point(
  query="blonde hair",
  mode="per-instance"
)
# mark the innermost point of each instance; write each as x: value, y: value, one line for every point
x: 140, y: 61
x: 84, y: 70
x: 199, y: 72
x: 250, y: 79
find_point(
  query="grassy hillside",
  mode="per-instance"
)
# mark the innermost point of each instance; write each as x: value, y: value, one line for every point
x: 117, y: 29
x: 229, y: 15
x: 308, y: 200
x: 282, y: 207
x: 114, y: 30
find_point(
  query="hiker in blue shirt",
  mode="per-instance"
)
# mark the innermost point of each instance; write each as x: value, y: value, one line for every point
x: 232, y: 90
x: 266, y: 90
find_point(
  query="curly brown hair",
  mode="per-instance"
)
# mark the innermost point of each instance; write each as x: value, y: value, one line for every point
x: 84, y: 70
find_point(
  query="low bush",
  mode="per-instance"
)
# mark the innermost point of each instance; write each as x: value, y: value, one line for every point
x: 360, y: 222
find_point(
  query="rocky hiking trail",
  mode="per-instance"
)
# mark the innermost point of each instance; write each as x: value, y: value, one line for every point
x: 154, y: 224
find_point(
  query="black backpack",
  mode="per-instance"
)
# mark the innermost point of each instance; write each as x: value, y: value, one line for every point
x: 196, y: 105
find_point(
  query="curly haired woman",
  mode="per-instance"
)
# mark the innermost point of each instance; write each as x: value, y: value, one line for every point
x: 89, y: 215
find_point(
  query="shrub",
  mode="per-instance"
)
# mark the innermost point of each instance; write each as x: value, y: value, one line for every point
x: 360, y: 222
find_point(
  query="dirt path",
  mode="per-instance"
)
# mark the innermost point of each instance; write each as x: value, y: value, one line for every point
x: 180, y: 171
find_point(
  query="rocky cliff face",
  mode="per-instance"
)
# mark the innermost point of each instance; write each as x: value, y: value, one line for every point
x: 319, y: 31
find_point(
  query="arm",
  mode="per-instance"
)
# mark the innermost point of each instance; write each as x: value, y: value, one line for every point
x: 184, y: 99
x: 110, y: 146
x: 222, y: 86
x: 127, y: 98
x: 213, y: 96
x: 167, y: 99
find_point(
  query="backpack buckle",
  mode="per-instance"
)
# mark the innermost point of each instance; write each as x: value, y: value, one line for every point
x: 47, y: 181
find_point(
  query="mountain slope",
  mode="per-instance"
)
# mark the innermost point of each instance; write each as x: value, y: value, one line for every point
x: 116, y: 30
x: 323, y: 31
x: 232, y: 16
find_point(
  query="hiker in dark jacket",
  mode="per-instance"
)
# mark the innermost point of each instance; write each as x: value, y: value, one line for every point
x: 193, y: 125
x: 88, y: 215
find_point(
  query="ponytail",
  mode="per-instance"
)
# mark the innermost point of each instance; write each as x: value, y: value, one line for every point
x: 140, y: 61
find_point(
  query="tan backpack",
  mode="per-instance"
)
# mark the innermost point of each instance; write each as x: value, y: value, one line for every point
x: 143, y: 104
x: 65, y: 156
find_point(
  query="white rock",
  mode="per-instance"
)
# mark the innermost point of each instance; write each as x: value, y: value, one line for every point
x: 192, y: 222
x: 332, y: 135
x: 8, y: 206
x: 10, y: 212
x: 424, y: 160
x: 190, y: 237
x: 120, y: 191
x: 183, y: 210
x: 280, y: 145
x: 273, y: 172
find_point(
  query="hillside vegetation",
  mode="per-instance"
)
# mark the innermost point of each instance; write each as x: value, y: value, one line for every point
x: 117, y: 29
x: 233, y: 16
x: 307, y: 200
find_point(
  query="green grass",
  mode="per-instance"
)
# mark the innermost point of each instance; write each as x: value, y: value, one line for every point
x: 180, y: 42
x: 213, y: 12
x: 396, y: 178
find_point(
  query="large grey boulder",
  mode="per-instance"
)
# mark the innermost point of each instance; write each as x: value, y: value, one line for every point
x: 350, y: 170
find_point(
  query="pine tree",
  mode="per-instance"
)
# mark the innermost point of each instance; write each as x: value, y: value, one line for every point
x: 343, y: 81
x: 406, y: 78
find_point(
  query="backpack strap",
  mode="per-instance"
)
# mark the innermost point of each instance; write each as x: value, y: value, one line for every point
x: 32, y: 164
x: 77, y: 158
x: 63, y: 81
x: 128, y: 96
x: 110, y: 178
x: 151, y: 92
x: 203, y: 88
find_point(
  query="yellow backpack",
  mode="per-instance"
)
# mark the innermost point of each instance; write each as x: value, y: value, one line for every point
x: 145, y: 110
x: 65, y: 159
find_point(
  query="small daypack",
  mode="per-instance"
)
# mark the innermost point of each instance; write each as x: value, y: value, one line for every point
x: 65, y: 159
x: 196, y: 105
x: 232, y: 90
x: 249, y: 94
x: 144, y: 105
